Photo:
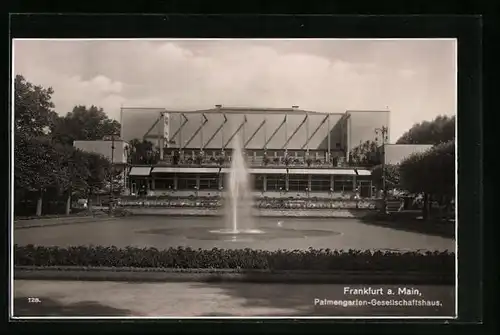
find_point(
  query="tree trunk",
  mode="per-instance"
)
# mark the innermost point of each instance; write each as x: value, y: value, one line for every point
x: 447, y: 207
x: 89, y: 200
x: 39, y: 204
x: 425, y: 208
x: 430, y: 210
x: 68, y: 204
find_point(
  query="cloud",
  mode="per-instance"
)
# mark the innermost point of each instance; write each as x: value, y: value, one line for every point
x: 200, y: 74
x: 407, y: 73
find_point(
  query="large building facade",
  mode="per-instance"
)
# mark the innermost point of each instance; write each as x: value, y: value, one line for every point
x: 288, y: 150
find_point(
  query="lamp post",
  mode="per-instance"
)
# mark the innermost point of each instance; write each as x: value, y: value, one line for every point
x: 383, y: 132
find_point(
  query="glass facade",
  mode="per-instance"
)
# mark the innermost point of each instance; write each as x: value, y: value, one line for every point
x: 259, y: 182
x: 186, y: 181
x: 320, y: 183
x: 298, y: 183
x: 276, y: 183
x: 343, y: 183
x: 209, y: 182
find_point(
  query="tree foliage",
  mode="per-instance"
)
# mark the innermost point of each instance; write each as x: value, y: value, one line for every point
x: 45, y: 162
x: 431, y: 172
x: 33, y: 108
x: 84, y: 124
x: 143, y: 152
x: 440, y: 130
x: 35, y: 163
x: 392, y: 176
x: 365, y: 154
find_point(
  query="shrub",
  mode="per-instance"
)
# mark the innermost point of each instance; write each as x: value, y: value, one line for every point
x: 311, y: 259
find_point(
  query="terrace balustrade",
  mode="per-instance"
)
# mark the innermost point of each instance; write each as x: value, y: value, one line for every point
x: 256, y: 161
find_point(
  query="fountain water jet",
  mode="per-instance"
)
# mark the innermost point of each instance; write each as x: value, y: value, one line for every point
x: 239, y: 199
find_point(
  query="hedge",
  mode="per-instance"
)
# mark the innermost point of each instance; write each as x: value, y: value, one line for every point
x: 184, y: 258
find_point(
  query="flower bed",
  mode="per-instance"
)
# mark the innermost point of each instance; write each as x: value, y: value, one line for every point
x: 265, y: 203
x: 311, y: 259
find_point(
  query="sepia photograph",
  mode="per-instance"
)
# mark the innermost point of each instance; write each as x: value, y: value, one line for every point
x: 234, y: 178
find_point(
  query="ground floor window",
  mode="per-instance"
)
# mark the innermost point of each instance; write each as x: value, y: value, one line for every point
x: 320, y: 183
x: 276, y: 183
x: 365, y: 189
x: 163, y: 184
x: 209, y: 182
x: 298, y: 183
x: 343, y: 183
x: 186, y: 181
x: 258, y: 182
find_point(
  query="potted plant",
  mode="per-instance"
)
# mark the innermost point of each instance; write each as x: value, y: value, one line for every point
x: 199, y: 158
x: 265, y: 160
x: 220, y: 160
x: 309, y: 161
x: 176, y: 157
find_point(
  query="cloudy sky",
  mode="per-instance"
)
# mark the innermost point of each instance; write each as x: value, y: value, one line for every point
x: 415, y: 79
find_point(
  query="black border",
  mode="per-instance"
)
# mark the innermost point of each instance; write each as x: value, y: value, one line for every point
x: 468, y: 30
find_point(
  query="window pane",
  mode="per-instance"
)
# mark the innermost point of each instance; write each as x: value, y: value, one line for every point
x: 186, y: 181
x: 342, y: 183
x: 164, y: 183
x: 209, y: 182
x: 258, y: 182
x: 275, y: 182
x: 320, y: 183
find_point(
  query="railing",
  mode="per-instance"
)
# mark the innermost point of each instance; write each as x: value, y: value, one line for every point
x: 258, y: 161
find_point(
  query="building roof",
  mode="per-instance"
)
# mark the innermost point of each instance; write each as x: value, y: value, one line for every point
x: 235, y: 110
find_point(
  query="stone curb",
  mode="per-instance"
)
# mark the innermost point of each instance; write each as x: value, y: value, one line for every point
x: 47, y: 224
x: 229, y: 275
x: 344, y: 214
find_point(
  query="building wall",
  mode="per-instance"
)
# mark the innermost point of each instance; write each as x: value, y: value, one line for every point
x: 135, y: 122
x: 396, y: 153
x: 362, y: 124
x: 104, y: 148
x: 301, y: 130
x: 261, y: 129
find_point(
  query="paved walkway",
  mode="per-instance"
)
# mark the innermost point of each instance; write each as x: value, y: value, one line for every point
x: 78, y: 298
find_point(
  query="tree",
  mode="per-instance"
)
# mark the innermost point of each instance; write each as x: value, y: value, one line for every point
x: 142, y: 152
x: 46, y: 164
x: 35, y: 166
x: 365, y: 154
x: 73, y: 172
x: 392, y: 177
x: 431, y: 173
x: 33, y: 108
x: 84, y: 124
x: 440, y: 130
x: 98, y: 166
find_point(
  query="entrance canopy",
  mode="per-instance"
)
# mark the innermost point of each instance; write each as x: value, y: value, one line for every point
x: 140, y: 171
